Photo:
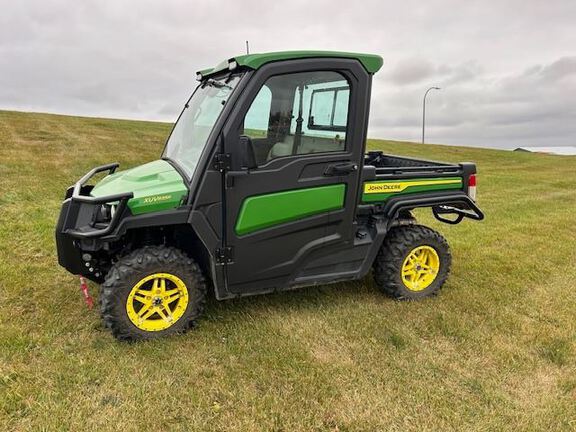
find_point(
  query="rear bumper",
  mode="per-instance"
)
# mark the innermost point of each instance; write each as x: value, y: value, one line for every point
x: 449, y: 203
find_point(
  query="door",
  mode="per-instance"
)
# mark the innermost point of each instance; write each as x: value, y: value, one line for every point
x: 306, y: 120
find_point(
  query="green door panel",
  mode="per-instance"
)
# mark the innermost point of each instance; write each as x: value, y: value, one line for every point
x: 263, y: 211
x: 156, y: 186
x: 375, y: 191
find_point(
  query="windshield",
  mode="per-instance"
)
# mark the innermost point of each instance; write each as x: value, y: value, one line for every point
x: 189, y: 136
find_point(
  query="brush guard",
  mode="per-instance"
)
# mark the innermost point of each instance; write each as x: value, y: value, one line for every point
x: 78, y: 230
x: 79, y: 215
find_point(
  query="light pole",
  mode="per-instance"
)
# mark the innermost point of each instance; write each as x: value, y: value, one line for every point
x: 424, y: 110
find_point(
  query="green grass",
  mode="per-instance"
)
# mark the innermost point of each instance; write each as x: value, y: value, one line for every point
x: 495, y: 351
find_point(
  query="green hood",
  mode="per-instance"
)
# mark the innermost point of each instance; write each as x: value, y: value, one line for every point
x: 156, y: 186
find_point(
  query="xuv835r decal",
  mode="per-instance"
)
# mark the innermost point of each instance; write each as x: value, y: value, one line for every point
x: 263, y: 211
x: 382, y: 190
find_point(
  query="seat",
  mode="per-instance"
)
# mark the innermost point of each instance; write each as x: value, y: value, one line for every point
x: 281, y: 148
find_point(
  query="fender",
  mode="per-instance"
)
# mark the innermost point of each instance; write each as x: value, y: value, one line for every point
x: 163, y: 218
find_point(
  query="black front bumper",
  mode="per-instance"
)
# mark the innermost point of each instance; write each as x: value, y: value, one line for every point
x: 76, y: 232
x: 69, y: 253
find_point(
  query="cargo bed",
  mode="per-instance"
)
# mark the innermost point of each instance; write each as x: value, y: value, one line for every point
x: 392, y: 183
x: 396, y: 166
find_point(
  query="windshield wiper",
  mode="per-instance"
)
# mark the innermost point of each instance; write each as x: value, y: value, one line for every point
x: 215, y: 83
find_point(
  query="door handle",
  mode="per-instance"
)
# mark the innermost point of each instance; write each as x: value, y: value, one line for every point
x: 341, y: 169
x: 231, y: 175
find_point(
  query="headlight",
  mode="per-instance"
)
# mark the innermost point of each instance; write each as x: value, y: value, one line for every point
x: 105, y: 213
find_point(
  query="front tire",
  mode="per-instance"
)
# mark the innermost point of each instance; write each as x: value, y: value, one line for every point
x: 413, y: 263
x: 152, y: 292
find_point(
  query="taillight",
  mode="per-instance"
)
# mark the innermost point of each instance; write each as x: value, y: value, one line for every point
x: 472, y: 186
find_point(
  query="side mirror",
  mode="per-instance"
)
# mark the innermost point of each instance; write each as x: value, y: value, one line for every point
x: 246, y: 151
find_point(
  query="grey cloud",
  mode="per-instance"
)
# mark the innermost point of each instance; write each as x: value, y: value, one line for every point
x: 562, y: 68
x: 416, y: 70
x: 507, y: 69
x: 534, y: 105
x: 411, y: 71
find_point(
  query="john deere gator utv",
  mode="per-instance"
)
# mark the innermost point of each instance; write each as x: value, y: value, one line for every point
x: 263, y: 185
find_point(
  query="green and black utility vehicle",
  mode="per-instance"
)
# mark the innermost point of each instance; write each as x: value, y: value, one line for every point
x: 264, y: 185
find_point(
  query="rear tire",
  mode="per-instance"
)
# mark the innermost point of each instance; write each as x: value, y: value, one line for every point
x: 131, y: 286
x: 413, y: 263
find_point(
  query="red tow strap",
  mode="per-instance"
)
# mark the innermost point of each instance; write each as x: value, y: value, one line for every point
x: 87, y: 297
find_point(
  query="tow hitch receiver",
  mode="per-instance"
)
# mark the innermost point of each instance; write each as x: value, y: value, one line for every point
x: 87, y: 297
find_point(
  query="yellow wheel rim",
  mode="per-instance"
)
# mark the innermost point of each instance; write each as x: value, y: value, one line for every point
x: 420, y: 268
x: 157, y: 302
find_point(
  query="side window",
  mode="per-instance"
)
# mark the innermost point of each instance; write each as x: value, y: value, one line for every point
x: 299, y: 113
x: 257, y: 117
x: 329, y: 109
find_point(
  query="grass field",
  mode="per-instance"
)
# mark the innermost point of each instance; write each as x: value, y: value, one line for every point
x: 495, y: 351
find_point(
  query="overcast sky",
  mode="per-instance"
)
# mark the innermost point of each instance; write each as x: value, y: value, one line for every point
x: 507, y: 68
